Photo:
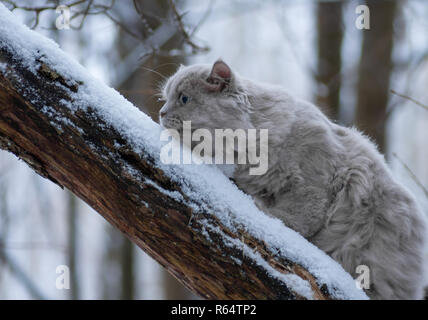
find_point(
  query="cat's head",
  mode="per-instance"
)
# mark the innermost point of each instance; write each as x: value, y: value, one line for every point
x: 208, y: 96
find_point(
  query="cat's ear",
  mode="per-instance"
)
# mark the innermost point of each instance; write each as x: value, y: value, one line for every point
x: 220, y: 77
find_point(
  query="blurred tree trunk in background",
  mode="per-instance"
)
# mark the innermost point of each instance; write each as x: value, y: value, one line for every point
x: 127, y: 266
x: 73, y: 245
x: 4, y: 227
x: 330, y: 35
x: 117, y: 268
x: 374, y: 71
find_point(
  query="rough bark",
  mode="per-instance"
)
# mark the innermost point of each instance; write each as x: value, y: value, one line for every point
x: 76, y: 153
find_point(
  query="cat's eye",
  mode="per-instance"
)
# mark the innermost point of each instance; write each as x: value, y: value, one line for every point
x: 183, y: 98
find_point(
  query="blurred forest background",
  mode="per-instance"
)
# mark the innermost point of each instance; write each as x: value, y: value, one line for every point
x: 374, y: 79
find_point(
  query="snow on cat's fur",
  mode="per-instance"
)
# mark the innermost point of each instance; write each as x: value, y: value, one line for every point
x: 325, y: 181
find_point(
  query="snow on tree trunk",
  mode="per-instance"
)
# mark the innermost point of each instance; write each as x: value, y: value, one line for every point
x: 82, y: 135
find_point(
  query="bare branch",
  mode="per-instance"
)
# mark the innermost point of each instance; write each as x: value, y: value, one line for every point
x: 182, y: 29
x: 409, y: 98
x: 412, y: 175
x: 93, y: 8
x: 38, y: 10
x: 203, y: 18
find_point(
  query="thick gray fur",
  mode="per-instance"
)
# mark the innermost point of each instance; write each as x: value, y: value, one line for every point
x: 327, y: 182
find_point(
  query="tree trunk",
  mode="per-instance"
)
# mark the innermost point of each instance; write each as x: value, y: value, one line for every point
x: 118, y: 260
x: 374, y: 71
x: 78, y: 149
x: 330, y: 35
x: 73, y: 217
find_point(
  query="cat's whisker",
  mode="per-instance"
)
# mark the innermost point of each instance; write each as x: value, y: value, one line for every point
x: 155, y: 72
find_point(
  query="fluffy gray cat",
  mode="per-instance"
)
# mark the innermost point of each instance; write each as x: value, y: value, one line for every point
x: 327, y: 182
